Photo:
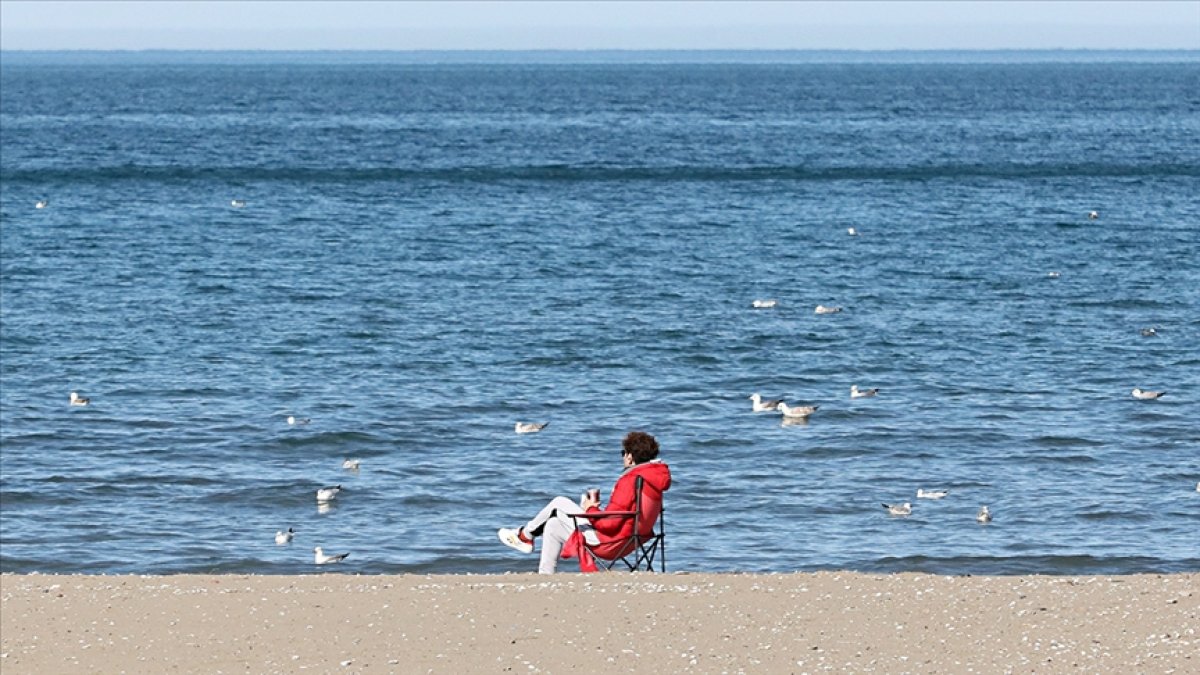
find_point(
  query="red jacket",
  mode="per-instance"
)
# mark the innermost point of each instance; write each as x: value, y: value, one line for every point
x: 656, y: 479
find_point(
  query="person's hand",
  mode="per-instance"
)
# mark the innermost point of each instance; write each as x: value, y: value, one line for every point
x: 588, y: 502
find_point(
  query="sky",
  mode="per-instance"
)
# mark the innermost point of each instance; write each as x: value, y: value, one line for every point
x: 642, y: 24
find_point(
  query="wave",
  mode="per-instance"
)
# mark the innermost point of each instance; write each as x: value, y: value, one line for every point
x: 568, y: 173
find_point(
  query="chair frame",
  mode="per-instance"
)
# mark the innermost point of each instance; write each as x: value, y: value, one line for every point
x: 644, y: 549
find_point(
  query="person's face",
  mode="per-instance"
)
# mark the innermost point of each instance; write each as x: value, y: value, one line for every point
x: 627, y: 460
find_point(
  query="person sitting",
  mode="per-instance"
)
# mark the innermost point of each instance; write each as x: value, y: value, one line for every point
x: 639, y: 453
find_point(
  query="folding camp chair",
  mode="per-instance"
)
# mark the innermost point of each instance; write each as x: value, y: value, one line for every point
x: 646, y: 544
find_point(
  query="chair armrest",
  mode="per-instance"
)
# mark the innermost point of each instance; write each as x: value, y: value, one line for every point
x: 605, y: 514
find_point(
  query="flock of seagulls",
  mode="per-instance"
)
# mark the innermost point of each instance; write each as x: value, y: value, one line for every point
x: 984, y: 515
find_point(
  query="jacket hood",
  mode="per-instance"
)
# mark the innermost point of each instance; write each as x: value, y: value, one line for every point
x: 656, y: 473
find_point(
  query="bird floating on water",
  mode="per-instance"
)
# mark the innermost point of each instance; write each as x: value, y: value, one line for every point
x: 1054, y: 275
x: 984, y: 515
x: 1149, y: 332
x: 899, y: 509
x: 851, y: 231
x: 41, y: 203
x: 855, y: 392
x: 76, y: 399
x: 529, y: 427
x: 238, y: 203
x: 328, y: 494
x: 764, y: 406
x: 351, y: 464
x: 822, y: 309
x: 798, y: 411
x: 294, y: 421
x: 763, y: 304
x: 282, y: 537
x: 321, y: 559
x: 1146, y: 394
x: 1093, y: 215
x: 931, y: 494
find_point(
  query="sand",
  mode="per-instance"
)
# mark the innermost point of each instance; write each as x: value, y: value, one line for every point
x: 601, y: 623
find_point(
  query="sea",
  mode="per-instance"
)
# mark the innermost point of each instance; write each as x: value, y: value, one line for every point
x: 427, y: 249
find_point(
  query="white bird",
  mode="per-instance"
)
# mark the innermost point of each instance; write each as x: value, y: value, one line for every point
x: 1149, y: 332
x: 822, y: 309
x: 1146, y: 394
x: 321, y: 559
x: 351, y: 464
x: 284, y: 537
x: 1054, y: 275
x: 238, y: 203
x: 529, y: 427
x: 852, y: 232
x: 763, y: 304
x: 293, y: 421
x: 41, y: 204
x: 899, y: 509
x: 76, y: 399
x: 931, y: 494
x: 328, y: 494
x: 763, y: 406
x: 855, y: 392
x: 1093, y: 215
x: 984, y: 515
x: 798, y: 411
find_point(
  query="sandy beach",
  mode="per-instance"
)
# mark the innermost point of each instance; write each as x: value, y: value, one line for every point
x: 704, y: 623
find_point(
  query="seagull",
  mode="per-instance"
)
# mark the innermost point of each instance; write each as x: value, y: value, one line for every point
x: 822, y: 309
x: 1093, y: 215
x: 1054, y: 275
x: 763, y: 406
x: 851, y: 231
x: 855, y: 392
x: 1146, y: 394
x: 763, y: 304
x: 984, y: 516
x: 1149, y: 332
x: 238, y: 203
x: 798, y: 411
x: 293, y: 421
x: 351, y: 464
x: 931, y: 494
x: 328, y: 494
x: 529, y: 427
x: 76, y: 399
x: 899, y: 509
x: 284, y: 537
x: 321, y: 559
x: 41, y: 204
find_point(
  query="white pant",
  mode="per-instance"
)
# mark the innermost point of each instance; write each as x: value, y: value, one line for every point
x: 555, y: 525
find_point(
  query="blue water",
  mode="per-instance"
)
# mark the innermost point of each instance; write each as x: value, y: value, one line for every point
x: 430, y: 253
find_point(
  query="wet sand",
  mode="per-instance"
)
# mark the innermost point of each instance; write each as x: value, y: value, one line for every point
x: 603, y: 623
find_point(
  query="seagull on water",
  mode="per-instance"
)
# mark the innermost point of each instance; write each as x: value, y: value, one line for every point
x: 851, y: 231
x: 1146, y: 394
x: 529, y: 427
x: 822, y: 309
x: 328, y: 494
x: 855, y: 392
x: 984, y: 515
x: 764, y: 406
x: 1093, y: 215
x: 41, y: 203
x: 282, y: 537
x: 931, y: 494
x: 238, y: 203
x: 798, y: 411
x: 1149, y: 332
x: 76, y: 399
x: 1054, y: 275
x: 763, y: 304
x: 320, y: 558
x: 351, y: 464
x: 904, y: 509
x: 292, y: 421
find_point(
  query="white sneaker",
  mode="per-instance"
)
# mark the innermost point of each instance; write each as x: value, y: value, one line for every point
x: 510, y: 538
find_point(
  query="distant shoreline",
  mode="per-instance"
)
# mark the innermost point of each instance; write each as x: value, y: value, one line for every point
x: 594, y: 56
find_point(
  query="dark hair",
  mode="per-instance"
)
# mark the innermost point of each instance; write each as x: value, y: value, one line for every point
x: 641, y: 445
